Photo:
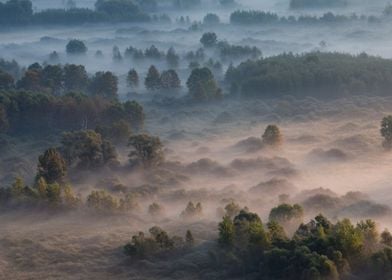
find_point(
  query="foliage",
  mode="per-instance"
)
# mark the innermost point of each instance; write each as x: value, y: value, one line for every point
x: 170, y: 80
x: 300, y: 4
x: 323, y: 74
x: 41, y: 196
x: 51, y: 167
x: 87, y: 149
x: 211, y: 19
x: 133, y: 78
x: 102, y: 202
x: 153, y: 79
x: 318, y: 250
x: 146, y: 150
x: 191, y: 211
x: 251, y: 17
x: 38, y: 113
x: 155, y: 209
x: 76, y: 47
x: 104, y: 84
x: 272, y: 136
x: 209, y: 39
x: 142, y: 246
x: 202, y: 86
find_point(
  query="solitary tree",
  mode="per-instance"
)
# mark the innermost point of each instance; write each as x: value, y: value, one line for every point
x: 153, y: 79
x: 146, y: 150
x: 189, y: 240
x: 272, y: 136
x: 51, y: 166
x: 172, y: 58
x: 209, y: 39
x: 133, y: 78
x: 202, y: 86
x: 76, y: 47
x: 386, y: 131
x: 170, y: 80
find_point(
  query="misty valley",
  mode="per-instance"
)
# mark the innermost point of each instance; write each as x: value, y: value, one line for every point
x: 195, y: 139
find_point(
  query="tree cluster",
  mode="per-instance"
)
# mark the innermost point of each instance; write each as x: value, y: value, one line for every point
x: 260, y: 17
x: 20, y: 12
x: 318, y: 249
x: 322, y: 74
x: 35, y: 113
x: 159, y: 242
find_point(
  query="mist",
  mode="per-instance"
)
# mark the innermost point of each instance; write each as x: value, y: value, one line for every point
x: 184, y: 139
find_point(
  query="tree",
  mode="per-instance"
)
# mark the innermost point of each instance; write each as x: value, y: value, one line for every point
x: 52, y: 77
x: 232, y: 209
x: 226, y: 232
x: 386, y: 238
x: 161, y: 238
x: 87, y: 149
x: 289, y: 216
x: 104, y: 84
x: 202, y: 86
x: 101, y: 201
x: 135, y: 113
x: 169, y: 80
x: 133, y: 78
x: 209, y: 39
x: 75, y: 77
x: 189, y: 240
x: 211, y: 19
x: 146, y: 150
x: 153, y: 79
x: 31, y: 80
x: 272, y: 136
x: 155, y: 209
x: 53, y: 193
x: 116, y: 54
x: 386, y: 131
x: 172, y: 58
x: 6, y: 81
x: 286, y: 212
x: 52, y: 167
x: 75, y: 47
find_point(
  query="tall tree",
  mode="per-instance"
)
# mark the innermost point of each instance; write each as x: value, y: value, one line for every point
x: 146, y: 150
x: 51, y: 167
x: 104, y: 84
x: 133, y: 78
x: 170, y: 80
x: 153, y: 79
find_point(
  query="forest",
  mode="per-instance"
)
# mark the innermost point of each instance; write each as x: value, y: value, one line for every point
x: 195, y: 139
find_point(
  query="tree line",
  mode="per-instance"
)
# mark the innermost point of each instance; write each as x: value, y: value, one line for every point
x: 249, y: 17
x: 318, y: 74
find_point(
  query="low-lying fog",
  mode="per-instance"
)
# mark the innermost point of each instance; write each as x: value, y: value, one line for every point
x: 329, y: 148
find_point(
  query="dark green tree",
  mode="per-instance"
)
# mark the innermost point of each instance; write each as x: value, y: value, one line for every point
x: 76, y: 47
x: 209, y: 39
x: 52, y: 167
x: 169, y: 80
x: 153, y: 79
x: 146, y: 150
x: 272, y: 136
x: 202, y: 86
x: 104, y: 84
x: 75, y: 77
x: 133, y: 78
